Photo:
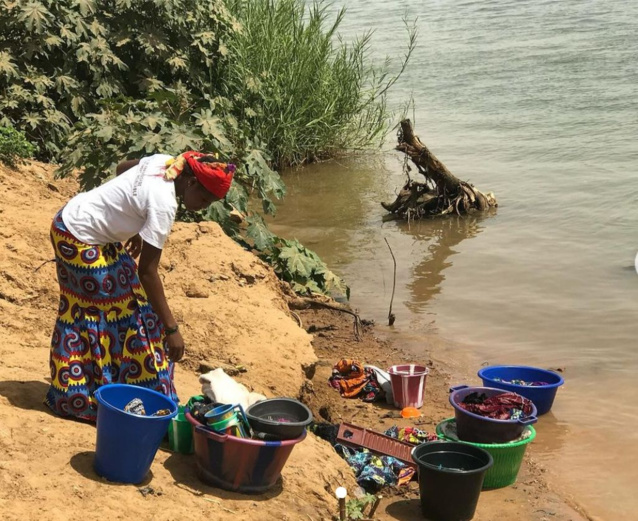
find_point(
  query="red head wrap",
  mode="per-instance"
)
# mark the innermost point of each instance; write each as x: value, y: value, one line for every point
x: 215, y: 177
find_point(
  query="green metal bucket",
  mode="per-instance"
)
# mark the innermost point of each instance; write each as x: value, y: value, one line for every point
x: 507, y: 456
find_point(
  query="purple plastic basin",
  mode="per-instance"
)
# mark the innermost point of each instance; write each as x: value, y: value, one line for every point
x: 478, y: 429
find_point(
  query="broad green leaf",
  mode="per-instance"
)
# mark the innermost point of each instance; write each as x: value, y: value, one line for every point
x: 105, y: 133
x: 7, y: 67
x: 154, y: 120
x: 151, y: 141
x: 270, y: 181
x: 268, y: 206
x: 297, y: 262
x: 65, y: 83
x: 106, y: 89
x: 211, y: 126
x: 67, y: 34
x: 35, y: 17
x: 32, y: 119
x: 86, y: 7
x: 238, y: 197
x: 220, y: 213
x: 77, y: 102
x: 152, y: 84
x: 305, y: 287
x: 40, y: 82
x: 53, y: 40
x: 313, y: 287
x: 43, y: 100
x: 178, y: 63
x: 182, y: 138
x: 259, y: 233
x: 334, y: 285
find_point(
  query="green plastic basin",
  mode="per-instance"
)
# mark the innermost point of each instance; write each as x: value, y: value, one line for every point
x: 507, y: 456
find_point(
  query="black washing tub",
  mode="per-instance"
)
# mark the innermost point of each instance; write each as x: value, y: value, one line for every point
x: 451, y: 476
x: 280, y: 418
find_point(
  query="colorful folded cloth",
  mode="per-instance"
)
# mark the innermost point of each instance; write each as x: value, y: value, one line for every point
x: 410, y: 435
x: 353, y: 380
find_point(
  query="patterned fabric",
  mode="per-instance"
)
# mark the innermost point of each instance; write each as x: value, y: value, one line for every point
x: 410, y: 435
x: 106, y: 331
x: 374, y: 472
x: 352, y: 381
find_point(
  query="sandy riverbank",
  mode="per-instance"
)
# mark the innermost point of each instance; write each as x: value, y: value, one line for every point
x: 233, y: 310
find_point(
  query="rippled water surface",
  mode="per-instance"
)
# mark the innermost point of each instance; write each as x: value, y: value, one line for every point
x: 538, y: 102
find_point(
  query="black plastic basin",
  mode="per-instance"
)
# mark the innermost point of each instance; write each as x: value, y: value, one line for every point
x: 450, y: 479
x: 282, y: 418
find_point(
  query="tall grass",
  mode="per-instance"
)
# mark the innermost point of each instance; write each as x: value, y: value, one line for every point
x: 299, y: 87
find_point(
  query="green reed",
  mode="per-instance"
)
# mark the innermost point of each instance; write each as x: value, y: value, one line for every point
x: 299, y: 87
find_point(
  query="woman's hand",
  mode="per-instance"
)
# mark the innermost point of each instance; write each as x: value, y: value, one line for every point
x: 134, y: 246
x: 175, y: 345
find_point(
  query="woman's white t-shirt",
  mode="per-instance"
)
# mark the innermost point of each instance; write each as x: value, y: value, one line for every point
x: 138, y: 201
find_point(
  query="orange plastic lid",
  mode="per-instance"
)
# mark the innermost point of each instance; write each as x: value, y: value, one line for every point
x: 410, y: 412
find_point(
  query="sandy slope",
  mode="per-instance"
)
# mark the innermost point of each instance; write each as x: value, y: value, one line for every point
x: 231, y: 308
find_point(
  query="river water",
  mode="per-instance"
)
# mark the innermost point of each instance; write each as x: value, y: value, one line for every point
x: 538, y: 102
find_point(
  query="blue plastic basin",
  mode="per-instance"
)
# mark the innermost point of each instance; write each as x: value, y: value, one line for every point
x: 127, y: 443
x: 542, y: 395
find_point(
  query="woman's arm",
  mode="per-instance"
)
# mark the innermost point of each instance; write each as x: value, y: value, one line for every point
x: 150, y: 279
x: 126, y: 165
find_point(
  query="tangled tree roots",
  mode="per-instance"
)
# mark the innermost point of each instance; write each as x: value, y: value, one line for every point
x: 441, y: 193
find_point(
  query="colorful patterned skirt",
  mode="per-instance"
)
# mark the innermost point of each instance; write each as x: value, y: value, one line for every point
x: 106, y: 331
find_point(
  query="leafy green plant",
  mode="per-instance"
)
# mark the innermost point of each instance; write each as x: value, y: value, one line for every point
x: 300, y: 266
x: 14, y: 146
x: 295, y: 83
x: 356, y: 506
x: 60, y: 58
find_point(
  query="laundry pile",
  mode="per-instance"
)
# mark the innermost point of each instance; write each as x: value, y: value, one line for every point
x: 506, y: 406
x: 521, y: 382
x: 353, y: 380
x: 372, y: 470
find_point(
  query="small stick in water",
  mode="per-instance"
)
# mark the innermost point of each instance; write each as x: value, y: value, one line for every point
x: 391, y: 316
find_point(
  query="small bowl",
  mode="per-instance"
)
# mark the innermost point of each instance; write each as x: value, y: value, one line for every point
x: 410, y: 412
x: 283, y: 418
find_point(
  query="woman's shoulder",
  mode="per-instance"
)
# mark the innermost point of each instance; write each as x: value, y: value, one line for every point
x: 157, y: 160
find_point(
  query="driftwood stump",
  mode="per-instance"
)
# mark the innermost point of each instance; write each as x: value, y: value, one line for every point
x: 441, y: 193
